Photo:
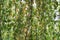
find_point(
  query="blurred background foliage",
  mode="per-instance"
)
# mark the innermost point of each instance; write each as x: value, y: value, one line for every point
x: 29, y: 20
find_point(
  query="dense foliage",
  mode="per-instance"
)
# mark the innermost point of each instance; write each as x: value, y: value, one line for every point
x: 29, y: 20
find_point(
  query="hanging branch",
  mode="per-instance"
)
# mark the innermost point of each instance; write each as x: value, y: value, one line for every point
x: 29, y: 20
x: 1, y: 7
x: 31, y: 1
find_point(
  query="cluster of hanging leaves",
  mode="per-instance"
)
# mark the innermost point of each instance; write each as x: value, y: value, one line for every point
x: 29, y: 20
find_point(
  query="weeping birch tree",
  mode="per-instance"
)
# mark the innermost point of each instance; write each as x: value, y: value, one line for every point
x: 29, y: 20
